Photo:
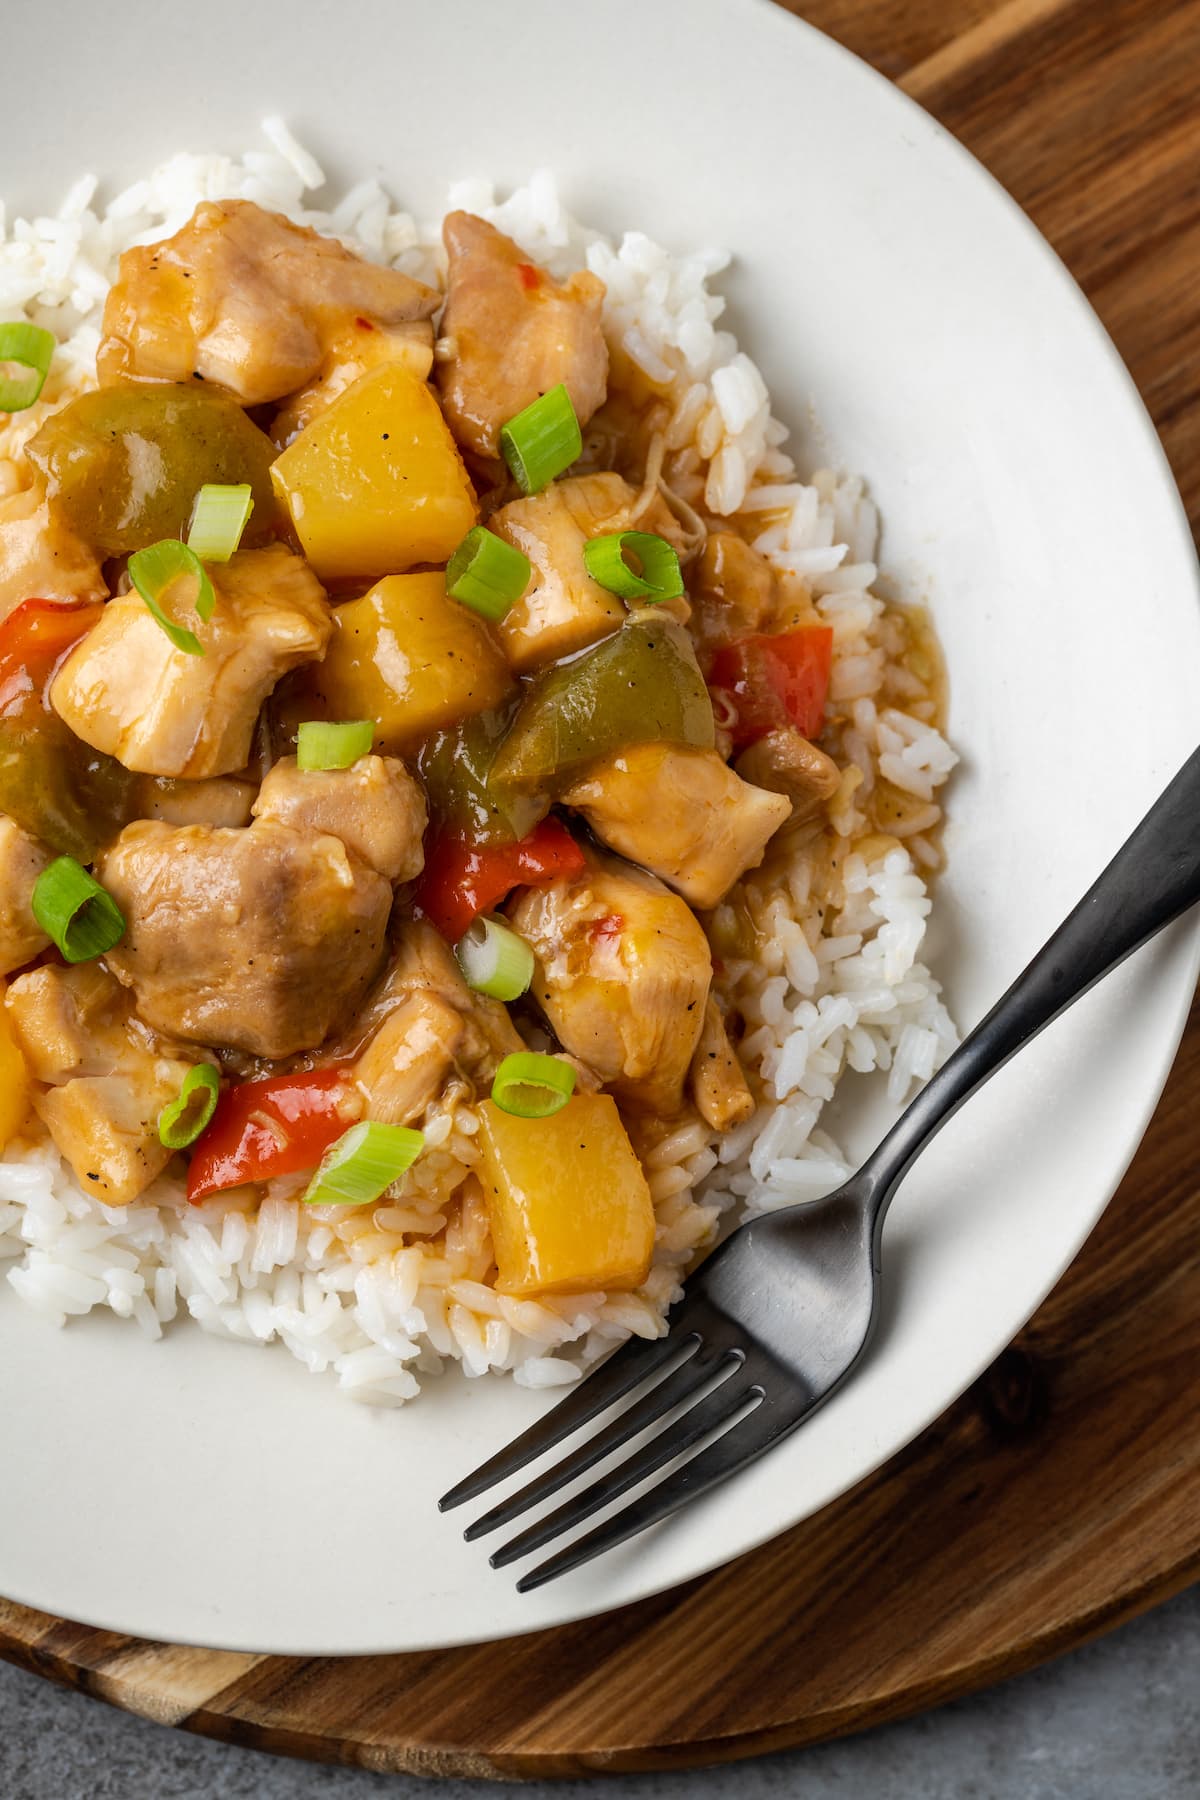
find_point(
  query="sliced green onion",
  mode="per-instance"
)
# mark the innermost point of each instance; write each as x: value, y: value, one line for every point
x: 182, y: 1120
x: 219, y: 518
x: 487, y: 574
x: 634, y: 564
x: 72, y: 908
x: 154, y: 572
x: 363, y: 1164
x: 494, y: 960
x: 542, y: 441
x: 532, y: 1086
x: 323, y: 746
x: 27, y: 350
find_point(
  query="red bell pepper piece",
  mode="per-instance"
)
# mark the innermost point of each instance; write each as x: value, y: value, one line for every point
x: 274, y: 1127
x: 34, y: 639
x: 461, y: 879
x: 775, y: 681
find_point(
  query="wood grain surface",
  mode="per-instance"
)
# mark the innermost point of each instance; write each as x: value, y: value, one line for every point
x: 1058, y: 1496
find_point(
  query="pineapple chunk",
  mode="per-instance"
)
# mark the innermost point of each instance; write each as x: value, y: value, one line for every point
x: 15, y: 1093
x: 410, y: 658
x: 568, y: 1202
x: 376, y: 483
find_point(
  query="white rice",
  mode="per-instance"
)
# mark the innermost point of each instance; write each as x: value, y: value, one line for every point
x: 379, y: 1299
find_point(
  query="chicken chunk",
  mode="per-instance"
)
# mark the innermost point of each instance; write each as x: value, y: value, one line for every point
x: 22, y: 860
x: 681, y: 813
x: 41, y: 557
x: 126, y: 690
x: 244, y: 298
x: 424, y: 966
x: 623, y: 973
x: 406, y: 1063
x: 260, y: 940
x: 222, y: 801
x: 786, y: 763
x: 733, y: 589
x: 563, y: 609
x: 107, y: 1077
x: 513, y: 332
x: 719, y: 1086
x: 375, y: 807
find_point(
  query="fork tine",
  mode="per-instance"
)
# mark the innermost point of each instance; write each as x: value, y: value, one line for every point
x: 681, y: 1384
x: 634, y: 1362
x: 718, y: 1408
x: 741, y: 1444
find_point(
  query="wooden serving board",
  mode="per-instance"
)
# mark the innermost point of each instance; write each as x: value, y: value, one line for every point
x: 1057, y: 1497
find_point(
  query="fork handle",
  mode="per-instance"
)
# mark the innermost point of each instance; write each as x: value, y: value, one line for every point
x: 1153, y: 878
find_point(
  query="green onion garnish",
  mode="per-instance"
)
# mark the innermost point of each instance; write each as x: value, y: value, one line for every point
x: 27, y: 350
x: 634, y: 564
x: 486, y: 573
x: 542, y: 441
x: 218, y: 520
x: 182, y: 1120
x: 154, y: 572
x: 363, y: 1164
x: 494, y: 960
x: 323, y: 746
x: 72, y: 908
x: 532, y: 1086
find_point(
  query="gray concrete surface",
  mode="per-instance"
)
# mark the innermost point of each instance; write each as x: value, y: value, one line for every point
x: 1119, y: 1720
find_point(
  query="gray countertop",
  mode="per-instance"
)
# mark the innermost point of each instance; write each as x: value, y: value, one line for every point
x: 1119, y: 1720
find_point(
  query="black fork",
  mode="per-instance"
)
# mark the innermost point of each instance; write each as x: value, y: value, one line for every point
x: 776, y: 1319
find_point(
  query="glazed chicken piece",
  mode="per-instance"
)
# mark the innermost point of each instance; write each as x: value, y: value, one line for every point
x: 406, y: 1063
x: 126, y: 690
x: 512, y: 333
x: 260, y: 940
x: 682, y: 813
x: 563, y: 609
x: 423, y: 966
x: 225, y: 800
x: 375, y: 807
x: 733, y: 589
x: 719, y: 1086
x: 107, y: 1077
x: 623, y: 973
x: 787, y: 763
x: 245, y: 299
x: 22, y: 860
x: 40, y: 556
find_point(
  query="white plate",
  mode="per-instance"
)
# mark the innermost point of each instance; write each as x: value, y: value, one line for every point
x: 196, y: 1492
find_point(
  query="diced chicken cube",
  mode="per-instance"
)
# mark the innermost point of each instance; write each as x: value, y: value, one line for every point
x: 40, y: 556
x: 126, y: 690
x: 786, y: 763
x: 222, y: 801
x: 244, y: 298
x: 260, y: 940
x: 423, y: 966
x: 108, y: 1077
x: 733, y: 589
x: 406, y: 1063
x: 22, y: 860
x: 681, y: 813
x: 375, y: 807
x: 719, y: 1086
x: 512, y: 332
x: 623, y: 972
x: 563, y: 609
